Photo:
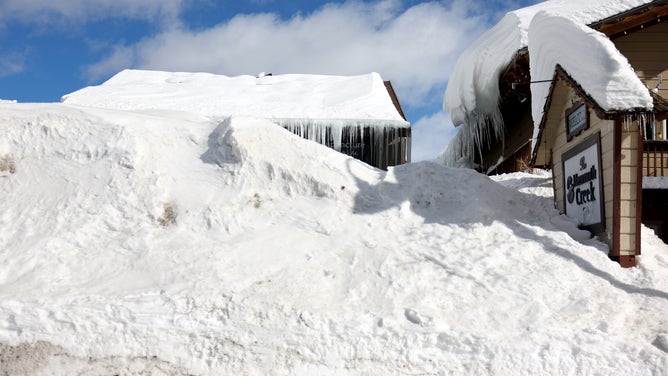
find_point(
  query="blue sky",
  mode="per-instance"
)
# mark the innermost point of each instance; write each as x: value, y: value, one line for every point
x: 51, y: 48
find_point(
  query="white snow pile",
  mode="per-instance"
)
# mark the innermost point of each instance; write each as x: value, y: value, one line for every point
x: 166, y: 243
x: 555, y: 32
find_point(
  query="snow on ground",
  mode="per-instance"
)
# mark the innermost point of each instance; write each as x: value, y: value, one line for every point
x: 166, y: 243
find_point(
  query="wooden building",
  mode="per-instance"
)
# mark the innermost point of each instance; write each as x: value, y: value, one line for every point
x: 357, y: 115
x: 376, y: 142
x: 596, y: 158
x: 610, y: 152
x: 610, y: 167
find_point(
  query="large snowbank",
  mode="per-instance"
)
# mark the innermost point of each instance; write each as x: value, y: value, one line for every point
x: 160, y: 242
x: 472, y: 94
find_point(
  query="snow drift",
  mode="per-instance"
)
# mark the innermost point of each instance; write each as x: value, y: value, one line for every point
x: 164, y: 242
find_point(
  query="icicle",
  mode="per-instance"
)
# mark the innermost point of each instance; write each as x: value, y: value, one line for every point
x: 478, y: 130
x: 647, y: 125
x: 335, y: 133
x: 628, y: 120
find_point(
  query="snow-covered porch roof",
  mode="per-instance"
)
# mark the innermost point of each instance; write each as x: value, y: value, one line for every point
x: 660, y: 106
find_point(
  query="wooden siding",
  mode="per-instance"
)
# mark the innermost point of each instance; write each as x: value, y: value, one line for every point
x: 647, y: 52
x: 554, y: 143
x: 512, y: 150
x: 629, y: 189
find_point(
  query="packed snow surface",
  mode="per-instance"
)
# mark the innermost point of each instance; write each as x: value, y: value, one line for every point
x: 556, y: 37
x: 167, y: 243
x: 349, y: 99
x: 655, y: 182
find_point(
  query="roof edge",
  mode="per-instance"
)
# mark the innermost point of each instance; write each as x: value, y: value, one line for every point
x: 561, y: 74
x: 622, y: 15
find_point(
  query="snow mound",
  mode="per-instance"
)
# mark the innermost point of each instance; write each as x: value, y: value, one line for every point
x: 262, y: 156
x: 164, y: 242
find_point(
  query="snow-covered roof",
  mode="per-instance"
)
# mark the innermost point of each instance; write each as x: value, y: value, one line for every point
x: 290, y: 96
x: 555, y: 32
x: 594, y: 63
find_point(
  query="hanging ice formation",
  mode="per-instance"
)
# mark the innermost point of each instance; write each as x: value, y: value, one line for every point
x: 377, y: 142
x: 646, y: 123
x: 478, y: 131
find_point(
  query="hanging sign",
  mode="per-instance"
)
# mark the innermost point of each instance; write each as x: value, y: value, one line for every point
x: 577, y: 120
x: 583, y: 184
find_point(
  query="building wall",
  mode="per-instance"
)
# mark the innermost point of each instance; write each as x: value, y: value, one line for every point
x: 628, y: 176
x: 512, y: 150
x: 554, y: 143
x: 647, y: 52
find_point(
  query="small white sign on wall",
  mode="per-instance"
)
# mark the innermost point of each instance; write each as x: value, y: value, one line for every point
x: 577, y: 120
x: 583, y: 184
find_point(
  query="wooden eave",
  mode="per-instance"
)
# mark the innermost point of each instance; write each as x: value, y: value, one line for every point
x: 395, y: 99
x: 516, y: 72
x: 660, y: 104
x: 633, y: 19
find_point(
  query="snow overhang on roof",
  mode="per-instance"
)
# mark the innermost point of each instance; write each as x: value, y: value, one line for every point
x: 472, y: 94
x: 291, y: 97
x: 589, y: 58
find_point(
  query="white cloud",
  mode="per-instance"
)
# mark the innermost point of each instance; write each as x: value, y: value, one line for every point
x: 82, y: 11
x: 120, y: 58
x: 430, y: 135
x: 415, y: 47
x: 9, y: 67
x: 12, y: 63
